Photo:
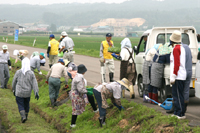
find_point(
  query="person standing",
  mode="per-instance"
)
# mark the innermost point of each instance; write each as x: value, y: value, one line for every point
x: 67, y: 45
x: 52, y: 51
x: 23, y: 83
x: 127, y: 66
x: 188, y: 66
x: 178, y: 74
x: 4, y: 63
x: 106, y: 58
x: 35, y: 61
x: 53, y: 79
x: 78, y: 94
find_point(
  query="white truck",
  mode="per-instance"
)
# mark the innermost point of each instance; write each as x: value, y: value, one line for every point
x: 161, y: 35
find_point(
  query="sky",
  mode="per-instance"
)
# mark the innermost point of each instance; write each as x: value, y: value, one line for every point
x: 47, y: 2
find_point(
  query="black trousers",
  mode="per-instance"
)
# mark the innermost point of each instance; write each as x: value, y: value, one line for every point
x: 23, y: 103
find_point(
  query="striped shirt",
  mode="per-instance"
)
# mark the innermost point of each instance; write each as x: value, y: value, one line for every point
x: 24, y: 84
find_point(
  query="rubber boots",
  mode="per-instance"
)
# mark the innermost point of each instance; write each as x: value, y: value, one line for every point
x: 111, y: 75
x: 102, y: 120
x: 155, y: 97
x: 150, y: 96
x: 52, y: 102
x: 144, y: 99
x: 131, y: 89
x: 50, y: 65
x: 171, y: 110
x: 23, y: 116
x: 123, y: 93
x: 103, y: 78
x: 55, y: 104
x: 26, y: 115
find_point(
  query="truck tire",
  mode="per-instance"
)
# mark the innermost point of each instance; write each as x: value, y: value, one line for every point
x: 140, y: 87
x: 165, y: 92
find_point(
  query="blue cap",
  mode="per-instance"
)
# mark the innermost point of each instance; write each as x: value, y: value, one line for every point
x: 108, y: 35
x: 42, y: 54
x: 52, y: 36
x: 61, y: 60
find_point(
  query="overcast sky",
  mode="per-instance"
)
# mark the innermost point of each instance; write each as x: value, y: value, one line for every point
x: 47, y: 2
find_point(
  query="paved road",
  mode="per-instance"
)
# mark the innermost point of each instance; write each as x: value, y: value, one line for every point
x: 93, y: 76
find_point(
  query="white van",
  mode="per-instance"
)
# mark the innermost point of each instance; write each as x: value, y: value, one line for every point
x: 161, y: 35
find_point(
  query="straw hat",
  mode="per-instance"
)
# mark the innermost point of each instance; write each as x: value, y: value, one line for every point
x: 124, y: 82
x: 66, y: 62
x: 176, y: 36
x: 23, y: 52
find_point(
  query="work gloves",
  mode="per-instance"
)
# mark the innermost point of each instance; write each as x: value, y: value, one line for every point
x: 119, y: 107
x: 172, y: 79
x: 36, y: 96
x: 47, y: 82
x: 40, y: 73
x: 66, y: 86
x: 10, y: 68
x: 89, y: 91
x: 13, y: 92
x: 116, y: 56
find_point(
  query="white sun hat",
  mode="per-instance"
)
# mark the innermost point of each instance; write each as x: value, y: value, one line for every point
x: 176, y: 36
x: 64, y: 33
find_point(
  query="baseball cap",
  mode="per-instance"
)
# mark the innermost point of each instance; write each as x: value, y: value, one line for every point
x: 61, y: 60
x: 52, y: 36
x: 42, y: 54
x: 108, y: 35
x: 4, y: 47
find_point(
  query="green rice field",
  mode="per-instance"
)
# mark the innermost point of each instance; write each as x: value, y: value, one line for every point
x: 84, y: 45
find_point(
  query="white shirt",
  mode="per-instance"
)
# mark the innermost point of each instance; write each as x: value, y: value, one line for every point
x: 4, y: 57
x: 125, y: 54
x: 68, y: 43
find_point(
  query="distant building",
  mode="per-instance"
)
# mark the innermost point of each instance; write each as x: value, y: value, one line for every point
x: 120, y: 22
x: 8, y: 27
x: 120, y: 31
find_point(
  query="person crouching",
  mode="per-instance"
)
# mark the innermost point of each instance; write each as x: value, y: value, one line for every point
x: 23, y: 83
x: 111, y: 90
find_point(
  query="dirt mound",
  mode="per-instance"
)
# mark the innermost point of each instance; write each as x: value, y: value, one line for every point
x: 123, y: 123
x: 164, y: 129
x: 63, y: 96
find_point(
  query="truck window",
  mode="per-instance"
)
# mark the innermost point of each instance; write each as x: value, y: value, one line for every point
x: 161, y: 38
x: 142, y: 46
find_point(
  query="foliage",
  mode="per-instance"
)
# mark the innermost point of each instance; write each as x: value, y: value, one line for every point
x: 84, y: 45
x: 114, y: 50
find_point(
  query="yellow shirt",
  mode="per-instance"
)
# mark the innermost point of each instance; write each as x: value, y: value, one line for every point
x: 54, y: 44
x: 106, y: 54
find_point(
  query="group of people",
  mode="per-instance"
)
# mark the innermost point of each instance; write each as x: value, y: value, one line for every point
x: 24, y: 81
x: 180, y: 58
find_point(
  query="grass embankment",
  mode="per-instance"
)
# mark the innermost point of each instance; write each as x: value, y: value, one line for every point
x: 87, y: 45
x: 135, y: 117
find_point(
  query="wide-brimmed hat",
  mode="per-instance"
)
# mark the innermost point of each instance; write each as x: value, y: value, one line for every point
x: 23, y: 52
x: 66, y: 62
x: 64, y: 33
x: 124, y: 82
x: 82, y: 69
x: 4, y: 47
x: 175, y: 37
